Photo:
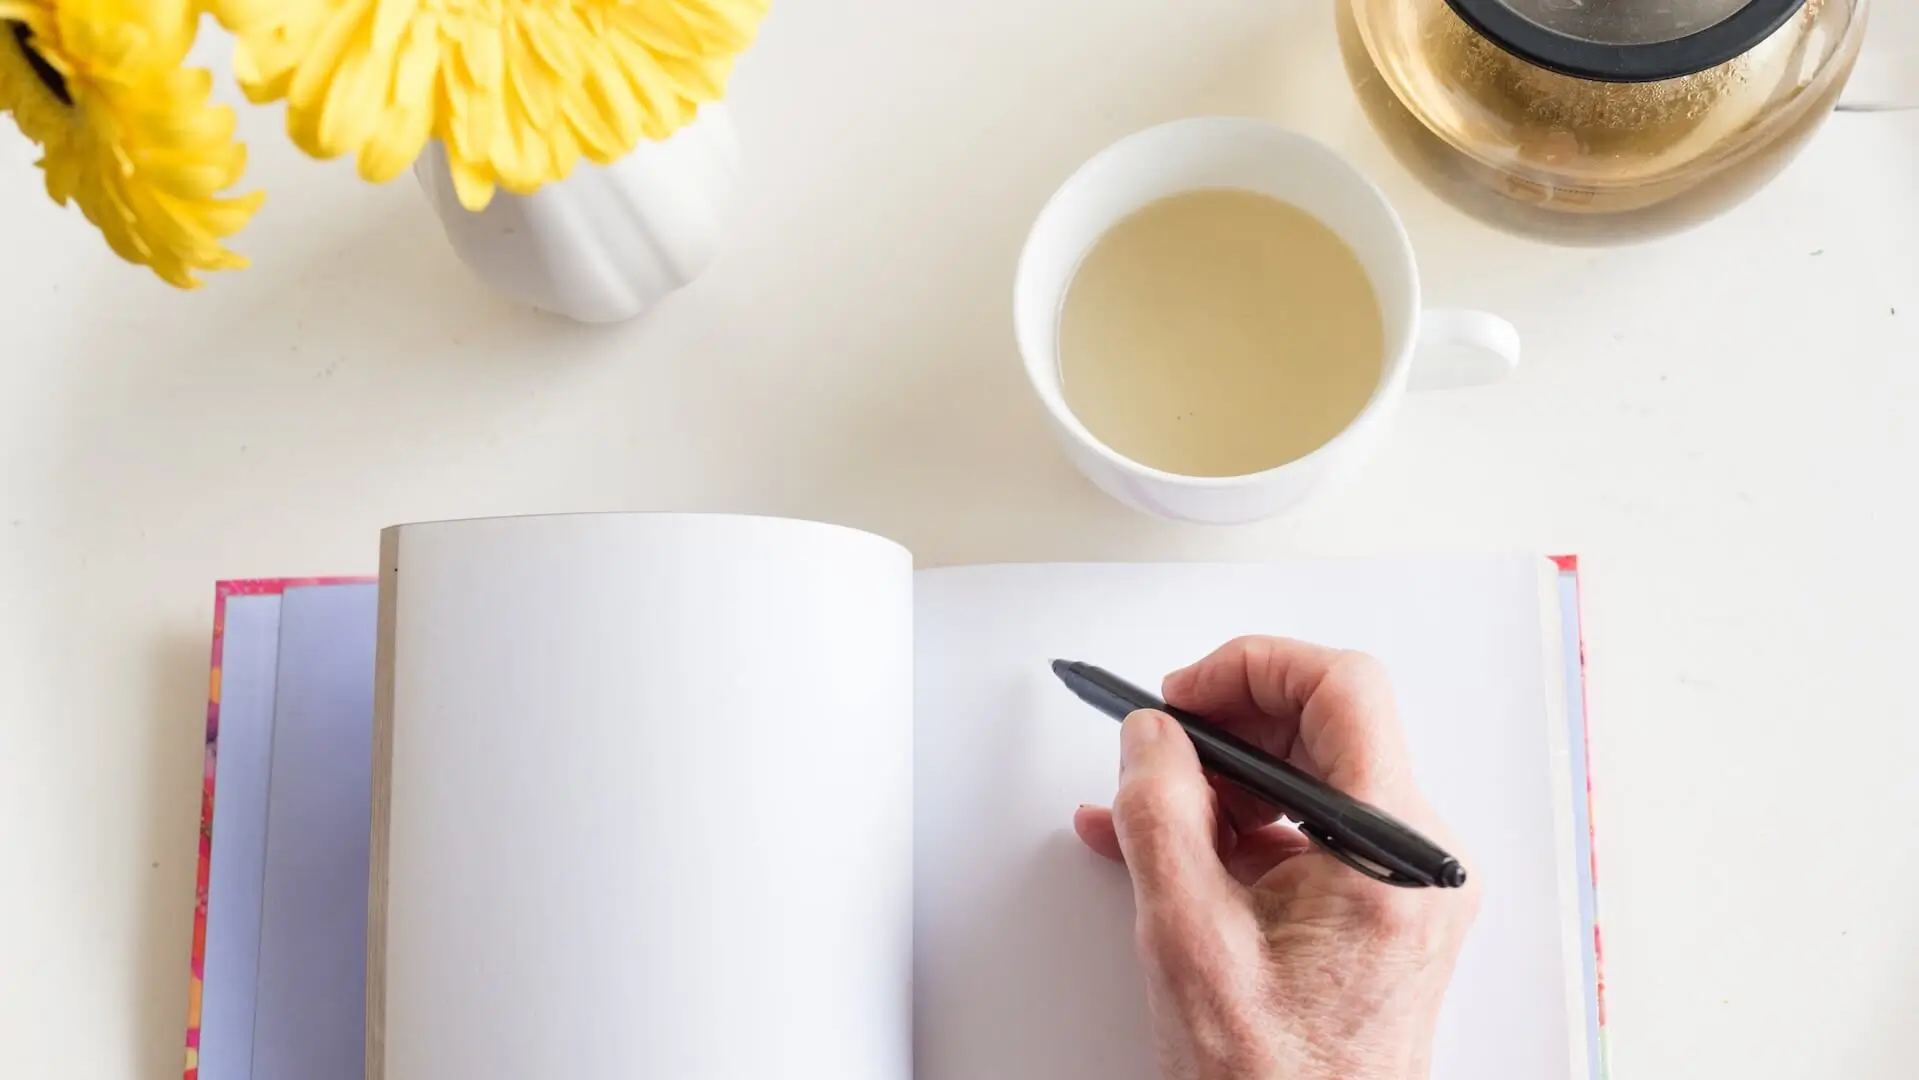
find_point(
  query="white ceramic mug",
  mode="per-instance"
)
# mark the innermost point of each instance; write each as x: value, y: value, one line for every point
x: 1454, y: 348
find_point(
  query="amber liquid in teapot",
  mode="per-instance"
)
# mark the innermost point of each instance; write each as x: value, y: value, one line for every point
x: 1547, y: 154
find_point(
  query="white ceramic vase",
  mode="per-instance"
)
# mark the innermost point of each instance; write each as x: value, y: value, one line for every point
x: 608, y: 242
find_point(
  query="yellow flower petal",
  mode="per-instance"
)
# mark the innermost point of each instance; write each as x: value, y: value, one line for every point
x: 232, y: 14
x: 480, y: 52
x: 408, y: 121
x: 531, y: 81
x: 587, y: 125
x: 391, y: 18
x: 413, y: 71
x: 127, y: 134
x: 610, y: 92
x: 189, y: 175
x: 471, y: 119
x: 354, y: 102
x: 402, y: 133
x: 548, y: 36
x: 321, y: 63
x: 565, y: 149
x: 474, y: 188
x: 32, y: 14
x: 517, y: 90
x: 261, y: 81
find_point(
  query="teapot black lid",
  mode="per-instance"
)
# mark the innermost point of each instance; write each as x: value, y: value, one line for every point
x: 1626, y: 41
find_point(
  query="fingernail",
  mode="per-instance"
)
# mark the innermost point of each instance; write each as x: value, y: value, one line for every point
x: 1138, y: 734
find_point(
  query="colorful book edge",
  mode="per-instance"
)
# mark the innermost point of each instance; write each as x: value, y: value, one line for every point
x: 196, y: 963
x: 1578, y: 711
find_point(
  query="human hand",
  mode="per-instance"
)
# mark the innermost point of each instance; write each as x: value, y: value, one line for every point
x: 1266, y: 958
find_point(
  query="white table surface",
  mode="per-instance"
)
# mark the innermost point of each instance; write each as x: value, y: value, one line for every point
x: 1721, y: 424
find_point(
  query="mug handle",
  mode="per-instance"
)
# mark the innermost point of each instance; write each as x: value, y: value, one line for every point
x: 1462, y: 348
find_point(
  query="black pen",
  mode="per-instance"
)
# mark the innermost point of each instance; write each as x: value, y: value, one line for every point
x: 1364, y: 838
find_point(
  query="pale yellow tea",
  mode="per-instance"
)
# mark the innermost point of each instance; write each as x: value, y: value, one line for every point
x: 1219, y: 333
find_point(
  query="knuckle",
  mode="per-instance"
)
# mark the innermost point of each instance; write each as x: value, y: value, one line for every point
x: 1402, y: 916
x: 1144, y: 806
x: 1358, y: 689
x: 1245, y: 642
x: 1361, y: 671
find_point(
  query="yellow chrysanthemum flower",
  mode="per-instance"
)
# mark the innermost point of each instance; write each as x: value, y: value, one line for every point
x: 125, y: 131
x: 517, y: 90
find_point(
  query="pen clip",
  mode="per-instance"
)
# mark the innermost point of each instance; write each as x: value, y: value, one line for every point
x: 1370, y: 869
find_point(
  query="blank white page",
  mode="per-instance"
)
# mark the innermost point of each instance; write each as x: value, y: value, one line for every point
x: 1024, y: 961
x: 236, y: 870
x: 309, y: 1019
x: 651, y: 801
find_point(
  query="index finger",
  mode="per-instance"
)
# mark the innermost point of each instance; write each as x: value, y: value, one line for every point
x: 1327, y: 711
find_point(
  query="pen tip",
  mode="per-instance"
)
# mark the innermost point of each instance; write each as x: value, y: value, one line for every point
x: 1452, y: 875
x: 1061, y: 667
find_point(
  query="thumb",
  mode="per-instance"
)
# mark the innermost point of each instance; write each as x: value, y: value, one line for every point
x: 1165, y: 815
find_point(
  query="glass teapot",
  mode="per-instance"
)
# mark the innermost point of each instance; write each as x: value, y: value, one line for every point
x: 1597, y: 121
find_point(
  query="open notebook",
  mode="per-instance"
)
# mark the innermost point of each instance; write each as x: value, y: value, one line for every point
x: 706, y: 796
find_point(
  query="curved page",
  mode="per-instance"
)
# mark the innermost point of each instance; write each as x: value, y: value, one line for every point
x: 643, y: 800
